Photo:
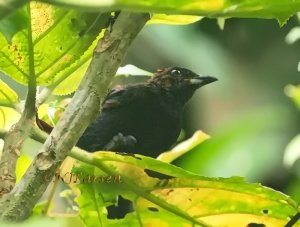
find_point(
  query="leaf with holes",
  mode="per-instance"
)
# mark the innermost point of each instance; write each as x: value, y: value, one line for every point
x: 170, y: 196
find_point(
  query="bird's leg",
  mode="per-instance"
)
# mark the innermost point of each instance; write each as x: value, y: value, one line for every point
x: 121, y: 143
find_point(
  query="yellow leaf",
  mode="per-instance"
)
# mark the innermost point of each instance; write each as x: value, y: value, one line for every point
x: 23, y: 163
x: 183, y: 147
x: 205, y: 5
x: 7, y: 95
x: 173, y: 19
x: 8, y: 117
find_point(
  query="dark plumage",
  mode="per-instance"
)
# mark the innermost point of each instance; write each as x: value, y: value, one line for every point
x: 148, y: 115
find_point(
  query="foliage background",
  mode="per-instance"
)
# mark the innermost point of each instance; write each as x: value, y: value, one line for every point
x: 250, y: 118
x: 247, y: 105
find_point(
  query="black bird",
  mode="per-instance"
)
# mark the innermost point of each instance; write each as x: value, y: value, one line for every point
x: 143, y: 118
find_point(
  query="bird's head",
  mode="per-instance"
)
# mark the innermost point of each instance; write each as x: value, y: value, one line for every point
x: 180, y: 81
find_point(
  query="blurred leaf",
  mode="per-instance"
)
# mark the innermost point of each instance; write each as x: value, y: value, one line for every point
x: 281, y: 10
x: 292, y: 189
x: 183, y: 147
x: 1, y: 146
x: 294, y: 93
x: 23, y: 163
x: 173, y: 19
x: 39, y: 208
x: 8, y: 117
x: 8, y: 7
x: 47, y: 222
x: 221, y: 22
x: 132, y: 71
x: 8, y: 96
x: 61, y: 39
x: 43, y: 113
x: 292, y: 152
x: 52, y: 111
x: 293, y: 35
x: 14, y: 23
x: 213, y: 201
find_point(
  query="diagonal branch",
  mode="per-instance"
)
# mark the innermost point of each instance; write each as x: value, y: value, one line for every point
x: 84, y: 107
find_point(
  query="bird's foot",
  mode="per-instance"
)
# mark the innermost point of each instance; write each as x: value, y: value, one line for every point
x: 121, y: 143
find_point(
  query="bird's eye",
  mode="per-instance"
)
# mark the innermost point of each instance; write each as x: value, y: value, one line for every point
x: 175, y: 72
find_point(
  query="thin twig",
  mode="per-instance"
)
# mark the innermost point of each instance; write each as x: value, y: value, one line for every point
x: 50, y: 196
x: 293, y: 220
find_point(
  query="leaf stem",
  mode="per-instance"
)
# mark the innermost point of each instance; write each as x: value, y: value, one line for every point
x: 31, y: 95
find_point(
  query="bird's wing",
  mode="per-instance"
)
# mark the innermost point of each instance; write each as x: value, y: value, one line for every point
x: 121, y: 95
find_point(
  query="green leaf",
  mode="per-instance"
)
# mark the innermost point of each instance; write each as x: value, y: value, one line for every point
x: 294, y: 93
x: 210, y: 201
x: 97, y: 190
x: 8, y: 97
x: 281, y: 10
x: 14, y: 23
x: 292, y: 152
x: 293, y: 36
x: 46, y: 222
x: 221, y: 22
x: 61, y: 40
x: 70, y: 77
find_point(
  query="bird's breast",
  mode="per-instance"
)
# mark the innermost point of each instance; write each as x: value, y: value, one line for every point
x: 156, y: 127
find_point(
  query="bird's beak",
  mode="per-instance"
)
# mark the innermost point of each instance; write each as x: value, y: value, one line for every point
x: 200, y: 81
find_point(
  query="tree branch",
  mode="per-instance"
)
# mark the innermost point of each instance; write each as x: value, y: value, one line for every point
x: 82, y: 110
x: 19, y: 132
